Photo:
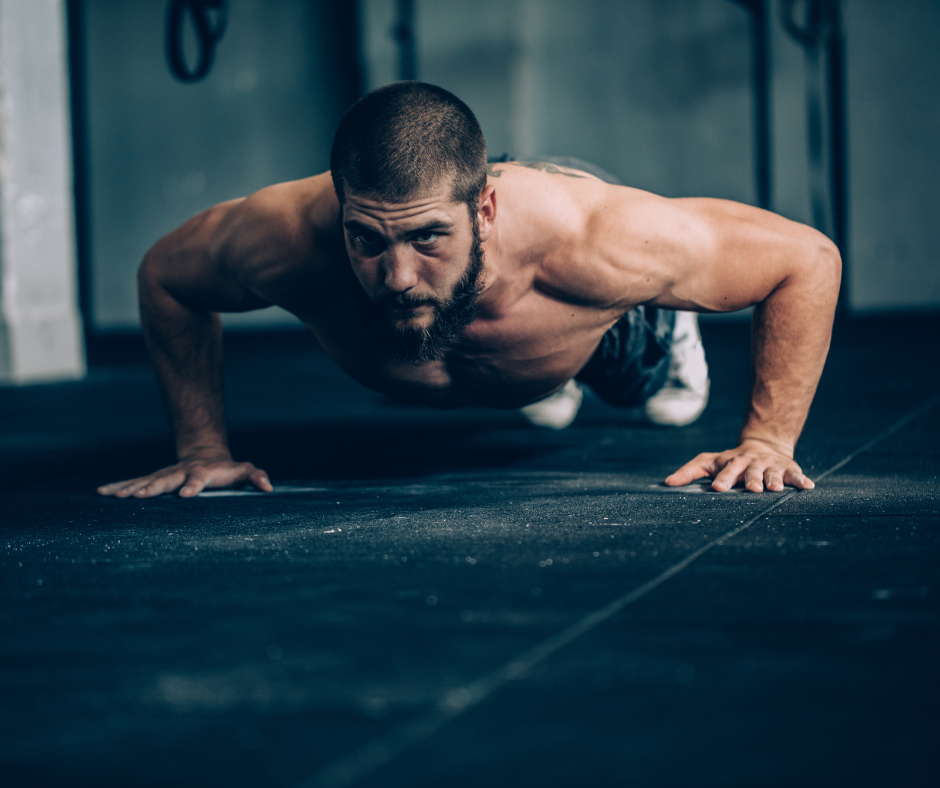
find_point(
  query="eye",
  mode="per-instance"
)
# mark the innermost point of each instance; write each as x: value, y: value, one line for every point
x: 426, y: 237
x: 367, y: 240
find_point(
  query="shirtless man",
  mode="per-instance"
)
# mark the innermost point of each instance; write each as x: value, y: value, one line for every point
x: 432, y: 277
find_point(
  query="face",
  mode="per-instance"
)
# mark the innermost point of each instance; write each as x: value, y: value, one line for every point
x: 420, y: 265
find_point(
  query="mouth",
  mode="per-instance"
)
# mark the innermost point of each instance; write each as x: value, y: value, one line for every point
x: 406, y: 310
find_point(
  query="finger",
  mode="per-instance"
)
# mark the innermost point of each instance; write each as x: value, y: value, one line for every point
x: 730, y: 474
x: 162, y: 483
x: 132, y: 487
x: 196, y: 482
x: 120, y: 489
x: 773, y: 478
x: 260, y: 480
x: 703, y: 465
x: 795, y: 477
x: 113, y: 487
x: 754, y: 479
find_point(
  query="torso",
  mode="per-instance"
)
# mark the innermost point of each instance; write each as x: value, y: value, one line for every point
x: 538, y: 323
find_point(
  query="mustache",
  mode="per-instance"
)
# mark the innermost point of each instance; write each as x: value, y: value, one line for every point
x: 406, y: 301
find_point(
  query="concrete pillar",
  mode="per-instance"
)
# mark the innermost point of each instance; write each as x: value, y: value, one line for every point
x: 40, y: 329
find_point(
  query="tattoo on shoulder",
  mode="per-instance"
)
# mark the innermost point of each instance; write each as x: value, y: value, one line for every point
x: 551, y: 169
x: 544, y: 166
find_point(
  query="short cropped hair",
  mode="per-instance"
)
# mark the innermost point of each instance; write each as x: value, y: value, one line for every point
x: 401, y: 141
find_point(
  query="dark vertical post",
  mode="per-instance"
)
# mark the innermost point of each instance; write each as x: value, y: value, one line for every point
x: 760, y: 93
x: 346, y: 50
x: 75, y: 18
x: 760, y: 33
x: 405, y: 36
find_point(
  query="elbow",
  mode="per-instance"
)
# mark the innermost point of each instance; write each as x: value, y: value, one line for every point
x: 150, y: 275
x: 154, y: 277
x: 146, y: 270
x: 829, y: 265
x: 822, y: 268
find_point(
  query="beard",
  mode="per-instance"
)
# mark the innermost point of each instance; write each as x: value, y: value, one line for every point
x: 429, y: 343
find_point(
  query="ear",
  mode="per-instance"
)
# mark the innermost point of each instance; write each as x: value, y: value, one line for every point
x: 486, y: 211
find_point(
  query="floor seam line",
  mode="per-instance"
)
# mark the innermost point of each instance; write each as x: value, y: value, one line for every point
x: 898, y: 425
x: 376, y: 753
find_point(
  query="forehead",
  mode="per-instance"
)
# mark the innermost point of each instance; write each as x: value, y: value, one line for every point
x: 374, y: 211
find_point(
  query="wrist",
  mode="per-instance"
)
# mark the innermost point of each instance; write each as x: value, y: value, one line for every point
x: 204, y: 451
x: 776, y: 443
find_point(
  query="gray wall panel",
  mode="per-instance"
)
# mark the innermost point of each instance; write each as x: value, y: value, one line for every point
x: 894, y: 148
x: 161, y: 151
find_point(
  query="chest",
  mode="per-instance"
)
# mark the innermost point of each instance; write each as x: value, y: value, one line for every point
x: 505, y: 359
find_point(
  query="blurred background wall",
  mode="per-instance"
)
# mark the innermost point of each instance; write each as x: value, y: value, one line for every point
x: 894, y: 144
x: 159, y: 151
x: 660, y: 92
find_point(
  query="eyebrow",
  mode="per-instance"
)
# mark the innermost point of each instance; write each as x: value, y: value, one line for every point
x: 431, y: 227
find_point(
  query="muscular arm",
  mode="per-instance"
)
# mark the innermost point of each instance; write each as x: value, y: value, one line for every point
x: 185, y: 280
x: 182, y: 285
x: 715, y: 255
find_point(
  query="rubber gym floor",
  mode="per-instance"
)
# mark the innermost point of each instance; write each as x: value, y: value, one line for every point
x: 459, y: 599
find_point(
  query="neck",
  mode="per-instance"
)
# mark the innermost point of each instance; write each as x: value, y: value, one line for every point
x: 492, y: 268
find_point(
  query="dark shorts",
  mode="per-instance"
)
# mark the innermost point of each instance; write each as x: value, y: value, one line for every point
x: 631, y: 362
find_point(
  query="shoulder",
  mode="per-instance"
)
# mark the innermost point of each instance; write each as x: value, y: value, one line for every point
x: 277, y: 229
x: 286, y: 218
x: 640, y: 244
x: 596, y: 244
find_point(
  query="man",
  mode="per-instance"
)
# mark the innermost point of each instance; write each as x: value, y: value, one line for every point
x: 430, y: 277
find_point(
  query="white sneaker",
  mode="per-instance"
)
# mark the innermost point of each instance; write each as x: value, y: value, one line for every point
x: 557, y: 410
x: 684, y: 396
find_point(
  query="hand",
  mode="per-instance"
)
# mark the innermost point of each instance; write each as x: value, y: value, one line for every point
x: 754, y: 462
x: 190, y: 476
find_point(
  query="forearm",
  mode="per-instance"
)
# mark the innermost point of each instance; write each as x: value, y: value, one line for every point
x: 186, y: 349
x: 790, y: 339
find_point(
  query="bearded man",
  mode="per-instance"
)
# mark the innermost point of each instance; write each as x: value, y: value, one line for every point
x: 432, y: 275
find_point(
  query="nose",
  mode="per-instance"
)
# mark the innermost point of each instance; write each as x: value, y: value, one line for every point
x: 400, y: 272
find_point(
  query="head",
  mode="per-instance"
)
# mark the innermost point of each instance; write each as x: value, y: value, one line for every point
x: 409, y: 168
